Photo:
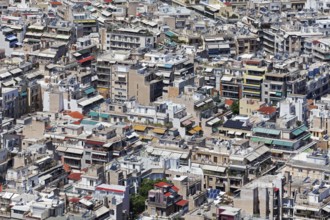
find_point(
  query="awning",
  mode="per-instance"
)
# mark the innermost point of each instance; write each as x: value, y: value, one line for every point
x: 159, y: 131
x: 186, y: 123
x: 238, y: 133
x: 132, y: 135
x: 300, y: 130
x: 213, y: 121
x: 197, y: 128
x: 89, y: 58
x: 89, y: 90
x: 11, y: 38
x: 76, y: 54
x: 61, y: 149
x: 192, y: 131
x: 104, y: 115
x: 282, y: 143
x: 93, y: 114
x: 141, y: 128
x: 231, y: 132
x: 74, y: 150
x: 91, y: 100
x: 214, y: 168
x: 267, y: 131
x: 106, y: 13
x: 226, y: 78
x: 85, y: 202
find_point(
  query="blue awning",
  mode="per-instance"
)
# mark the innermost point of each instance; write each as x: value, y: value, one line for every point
x: 89, y: 90
x: 23, y: 94
x: 11, y: 38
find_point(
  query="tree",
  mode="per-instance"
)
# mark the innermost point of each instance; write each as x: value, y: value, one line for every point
x: 235, y: 107
x: 137, y: 201
x: 137, y: 204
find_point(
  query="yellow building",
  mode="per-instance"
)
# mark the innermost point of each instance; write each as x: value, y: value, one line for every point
x: 252, y: 81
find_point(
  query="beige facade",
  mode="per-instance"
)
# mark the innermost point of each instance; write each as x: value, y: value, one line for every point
x: 144, y: 87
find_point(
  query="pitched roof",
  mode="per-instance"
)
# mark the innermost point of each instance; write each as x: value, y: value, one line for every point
x: 163, y: 184
x: 74, y: 176
x: 182, y: 202
x: 267, y: 110
x: 76, y: 114
x: 229, y: 102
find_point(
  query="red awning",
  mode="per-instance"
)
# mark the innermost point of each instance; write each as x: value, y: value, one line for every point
x: 89, y: 58
x: 167, y: 194
x: 182, y: 202
x: 94, y: 142
x: 107, y: 1
x: 55, y: 3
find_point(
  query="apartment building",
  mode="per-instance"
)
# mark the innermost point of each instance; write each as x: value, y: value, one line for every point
x: 287, y: 39
x: 218, y: 45
x: 231, y: 87
x: 283, y: 137
x: 105, y: 70
x: 127, y: 39
x: 314, y: 165
x: 165, y: 200
x: 231, y: 164
x: 262, y: 198
x: 253, y: 79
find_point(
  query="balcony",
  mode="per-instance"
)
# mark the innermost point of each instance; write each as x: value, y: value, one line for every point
x: 157, y: 204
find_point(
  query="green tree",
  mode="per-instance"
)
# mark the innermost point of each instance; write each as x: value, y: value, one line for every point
x: 137, y: 204
x: 137, y: 201
x: 235, y: 108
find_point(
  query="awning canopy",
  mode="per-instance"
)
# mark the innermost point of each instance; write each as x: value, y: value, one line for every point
x: 89, y: 58
x: 89, y: 90
x: 93, y: 114
x: 141, y: 128
x: 104, y: 115
x: 159, y: 130
x: 74, y: 150
x: 213, y: 121
x: 214, y: 168
x: 91, y: 100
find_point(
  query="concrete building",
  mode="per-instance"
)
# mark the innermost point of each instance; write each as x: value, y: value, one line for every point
x: 126, y: 39
x: 262, y: 198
